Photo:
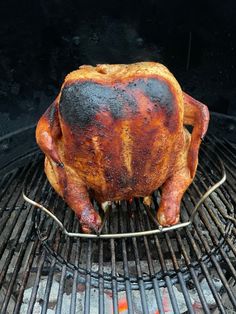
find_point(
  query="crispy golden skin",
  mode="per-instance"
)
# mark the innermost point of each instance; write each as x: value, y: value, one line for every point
x: 117, y: 132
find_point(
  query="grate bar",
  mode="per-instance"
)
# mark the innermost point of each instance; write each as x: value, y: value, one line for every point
x: 213, y: 217
x: 221, y: 151
x: 165, y: 272
x: 48, y: 287
x: 101, y: 282
x: 215, y: 263
x: 9, y: 256
x: 138, y: 266
x: 220, y: 228
x: 228, y: 186
x: 113, y: 273
x: 206, y: 273
x: 229, y: 264
x: 150, y: 265
x: 17, y: 214
x: 180, y: 277
x: 11, y: 253
x: 75, y: 277
x: 225, y: 149
x: 74, y: 293
x: 7, y: 182
x: 204, y: 268
x: 64, y: 269
x: 40, y: 268
x: 231, y: 145
x: 172, y: 295
x: 223, y: 279
x: 14, y: 276
x: 36, y: 284
x: 12, y: 195
x: 53, y: 264
x: 215, y: 166
x: 193, y: 275
x: 222, y: 197
x: 125, y: 263
x: 213, y: 289
x: 88, y: 278
x: 60, y: 291
x: 25, y: 278
x: 15, y: 181
x: 206, y: 223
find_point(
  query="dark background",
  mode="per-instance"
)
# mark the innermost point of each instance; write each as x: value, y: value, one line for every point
x: 41, y: 41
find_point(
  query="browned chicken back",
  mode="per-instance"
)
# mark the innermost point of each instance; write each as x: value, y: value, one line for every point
x: 117, y: 132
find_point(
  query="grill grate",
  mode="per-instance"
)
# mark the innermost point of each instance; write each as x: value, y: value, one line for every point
x: 143, y: 270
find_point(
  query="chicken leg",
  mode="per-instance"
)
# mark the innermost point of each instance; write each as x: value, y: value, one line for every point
x: 196, y: 114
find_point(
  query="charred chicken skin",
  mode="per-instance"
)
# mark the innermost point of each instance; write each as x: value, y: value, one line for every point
x: 116, y: 132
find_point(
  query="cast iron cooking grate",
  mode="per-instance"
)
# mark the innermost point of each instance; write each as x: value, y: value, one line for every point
x: 147, y: 265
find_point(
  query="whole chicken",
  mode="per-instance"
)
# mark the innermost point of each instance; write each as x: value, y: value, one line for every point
x: 116, y: 132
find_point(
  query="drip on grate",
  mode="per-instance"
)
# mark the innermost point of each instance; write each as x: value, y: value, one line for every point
x: 160, y: 264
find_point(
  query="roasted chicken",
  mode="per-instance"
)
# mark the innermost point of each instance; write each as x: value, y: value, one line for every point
x: 116, y: 132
